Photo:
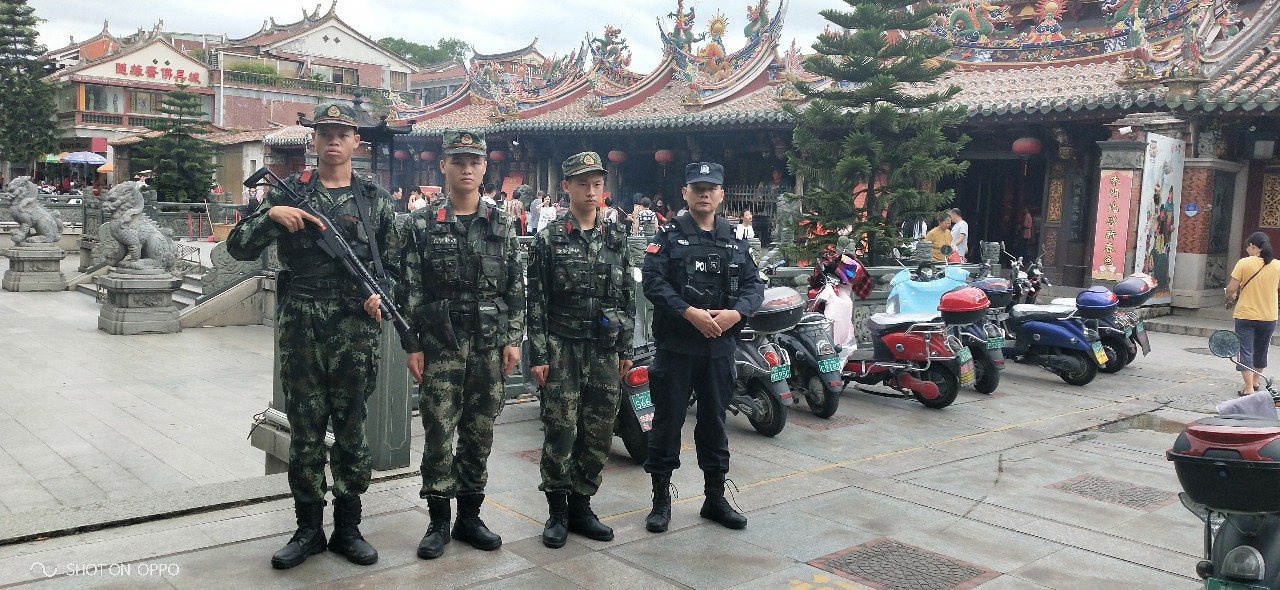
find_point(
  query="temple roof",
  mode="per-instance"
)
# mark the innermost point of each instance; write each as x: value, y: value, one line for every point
x: 530, y: 50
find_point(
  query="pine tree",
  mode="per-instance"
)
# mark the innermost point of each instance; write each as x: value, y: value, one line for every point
x: 873, y: 144
x: 182, y: 162
x: 27, y: 106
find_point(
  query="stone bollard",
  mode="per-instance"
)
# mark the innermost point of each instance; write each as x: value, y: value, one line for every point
x: 35, y: 267
x: 139, y: 302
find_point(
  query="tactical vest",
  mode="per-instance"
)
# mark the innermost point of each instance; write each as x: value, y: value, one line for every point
x: 313, y: 272
x: 707, y: 274
x: 586, y: 298
x: 462, y: 272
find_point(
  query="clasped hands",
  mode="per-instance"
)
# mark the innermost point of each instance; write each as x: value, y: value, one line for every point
x: 712, y: 323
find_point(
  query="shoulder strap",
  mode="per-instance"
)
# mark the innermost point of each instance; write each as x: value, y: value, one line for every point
x: 1246, y: 283
x: 357, y: 191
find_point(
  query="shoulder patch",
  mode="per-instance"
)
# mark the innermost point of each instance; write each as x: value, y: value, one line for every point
x: 653, y: 249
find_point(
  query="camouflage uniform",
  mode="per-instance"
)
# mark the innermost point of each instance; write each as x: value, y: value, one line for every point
x: 467, y: 276
x: 581, y: 318
x: 328, y: 344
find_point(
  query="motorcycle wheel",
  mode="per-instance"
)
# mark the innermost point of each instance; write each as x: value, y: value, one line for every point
x: 822, y: 401
x: 633, y: 438
x: 1080, y: 378
x: 1117, y: 355
x: 988, y: 376
x: 769, y: 416
x: 948, y: 387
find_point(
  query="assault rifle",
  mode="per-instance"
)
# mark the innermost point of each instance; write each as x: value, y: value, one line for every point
x: 332, y: 243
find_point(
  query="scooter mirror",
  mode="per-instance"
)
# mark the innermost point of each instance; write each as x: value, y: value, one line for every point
x: 1224, y: 344
x: 946, y: 249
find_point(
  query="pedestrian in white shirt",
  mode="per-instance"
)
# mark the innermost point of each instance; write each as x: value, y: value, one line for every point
x: 744, y: 230
x: 959, y: 234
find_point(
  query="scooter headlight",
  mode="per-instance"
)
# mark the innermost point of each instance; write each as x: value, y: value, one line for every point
x: 1244, y: 563
x: 825, y: 347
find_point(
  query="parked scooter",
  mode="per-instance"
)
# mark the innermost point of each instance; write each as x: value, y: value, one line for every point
x: 812, y: 346
x: 1052, y: 337
x: 1226, y: 465
x: 921, y: 290
x: 1122, y: 332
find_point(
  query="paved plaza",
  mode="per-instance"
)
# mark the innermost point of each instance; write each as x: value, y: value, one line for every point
x: 1036, y: 486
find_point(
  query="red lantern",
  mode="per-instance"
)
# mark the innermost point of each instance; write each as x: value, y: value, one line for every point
x: 401, y: 155
x: 1025, y: 147
x: 664, y: 156
x: 617, y: 156
x: 497, y: 155
x: 427, y: 156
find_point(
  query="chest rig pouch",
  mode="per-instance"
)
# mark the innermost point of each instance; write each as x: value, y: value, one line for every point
x: 466, y: 278
x: 706, y: 270
x: 313, y: 274
x: 587, y: 292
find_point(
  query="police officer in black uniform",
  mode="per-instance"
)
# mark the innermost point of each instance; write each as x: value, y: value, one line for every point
x: 703, y: 284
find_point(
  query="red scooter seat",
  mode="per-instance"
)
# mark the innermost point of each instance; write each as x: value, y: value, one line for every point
x: 1027, y: 312
x: 880, y: 323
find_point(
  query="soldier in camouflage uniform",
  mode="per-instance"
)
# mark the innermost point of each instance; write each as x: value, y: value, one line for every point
x: 328, y: 344
x: 581, y: 318
x: 464, y: 298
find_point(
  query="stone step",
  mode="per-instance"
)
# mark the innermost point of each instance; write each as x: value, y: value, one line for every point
x: 1195, y: 326
x: 193, y: 279
x: 183, y: 299
x: 89, y: 288
x: 1208, y: 313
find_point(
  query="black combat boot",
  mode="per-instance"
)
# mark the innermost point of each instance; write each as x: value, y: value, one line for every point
x: 556, y: 532
x: 437, y: 536
x: 308, y: 540
x: 346, y: 539
x: 660, y: 517
x: 583, y: 520
x: 470, y: 528
x: 716, y: 507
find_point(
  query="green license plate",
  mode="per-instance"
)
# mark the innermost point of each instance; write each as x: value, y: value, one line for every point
x: 641, y: 401
x: 1141, y: 327
x: 1128, y: 332
x: 1216, y: 584
x: 779, y: 373
x: 994, y: 343
x: 967, y: 374
x: 830, y: 365
x: 1099, y: 354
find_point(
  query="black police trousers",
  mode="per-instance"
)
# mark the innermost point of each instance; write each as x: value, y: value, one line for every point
x: 671, y: 376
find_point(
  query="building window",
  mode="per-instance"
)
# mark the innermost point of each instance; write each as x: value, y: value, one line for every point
x: 346, y: 76
x: 144, y: 103
x: 400, y: 81
x: 67, y: 98
x: 103, y: 99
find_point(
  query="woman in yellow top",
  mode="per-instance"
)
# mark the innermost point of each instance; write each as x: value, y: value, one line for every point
x: 1253, y: 287
x: 940, y: 236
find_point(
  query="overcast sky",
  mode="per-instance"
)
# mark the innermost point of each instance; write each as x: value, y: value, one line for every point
x: 492, y: 26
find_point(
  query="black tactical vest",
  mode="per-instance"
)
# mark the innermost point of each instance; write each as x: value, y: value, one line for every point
x: 586, y: 298
x: 705, y: 270
x: 309, y: 266
x: 459, y: 271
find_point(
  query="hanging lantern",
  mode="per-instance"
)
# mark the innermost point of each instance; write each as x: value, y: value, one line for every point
x: 497, y: 156
x: 401, y: 155
x: 427, y: 156
x: 617, y: 156
x: 1025, y: 147
x: 664, y: 156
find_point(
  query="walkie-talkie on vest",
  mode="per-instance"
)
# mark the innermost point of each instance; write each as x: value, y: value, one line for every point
x: 333, y: 244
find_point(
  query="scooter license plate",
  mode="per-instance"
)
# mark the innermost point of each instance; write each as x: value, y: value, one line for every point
x: 1216, y: 584
x: 779, y: 373
x: 995, y: 343
x: 641, y: 401
x: 1099, y: 354
x: 1128, y: 332
x: 1141, y: 327
x: 967, y: 373
x: 830, y: 365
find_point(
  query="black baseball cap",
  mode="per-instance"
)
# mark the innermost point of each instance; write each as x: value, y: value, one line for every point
x: 704, y: 172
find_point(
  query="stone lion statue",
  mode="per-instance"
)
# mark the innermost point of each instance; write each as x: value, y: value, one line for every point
x: 142, y: 244
x: 36, y: 224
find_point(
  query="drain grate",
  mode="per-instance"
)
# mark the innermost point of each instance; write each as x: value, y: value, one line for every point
x: 886, y: 564
x: 1117, y: 492
x: 806, y: 419
x: 1203, y: 351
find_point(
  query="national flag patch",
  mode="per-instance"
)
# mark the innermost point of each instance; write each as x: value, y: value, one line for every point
x: 652, y: 249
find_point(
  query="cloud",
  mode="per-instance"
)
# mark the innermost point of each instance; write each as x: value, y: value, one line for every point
x: 491, y: 26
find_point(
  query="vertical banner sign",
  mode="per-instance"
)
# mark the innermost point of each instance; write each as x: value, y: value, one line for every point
x: 1111, y: 238
x: 1157, y: 244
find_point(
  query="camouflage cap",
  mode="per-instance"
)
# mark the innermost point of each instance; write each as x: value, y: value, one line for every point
x: 464, y: 141
x: 581, y: 163
x: 335, y: 113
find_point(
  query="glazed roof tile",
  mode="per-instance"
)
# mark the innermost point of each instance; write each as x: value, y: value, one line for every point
x: 1252, y: 82
x: 293, y: 135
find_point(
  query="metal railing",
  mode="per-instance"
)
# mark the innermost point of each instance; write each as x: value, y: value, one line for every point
x: 94, y: 118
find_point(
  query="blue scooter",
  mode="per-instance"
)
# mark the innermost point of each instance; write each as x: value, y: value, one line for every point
x: 920, y: 291
x: 1052, y: 337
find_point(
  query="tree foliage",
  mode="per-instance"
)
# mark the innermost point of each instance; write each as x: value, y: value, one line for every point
x: 181, y: 161
x: 873, y: 144
x: 27, y: 126
x: 445, y: 50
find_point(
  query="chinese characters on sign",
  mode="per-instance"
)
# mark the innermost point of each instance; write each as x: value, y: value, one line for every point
x: 1111, y: 240
x: 158, y: 73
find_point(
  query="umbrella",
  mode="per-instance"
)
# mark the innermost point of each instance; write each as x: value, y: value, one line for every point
x: 85, y: 158
x: 107, y: 168
x: 51, y: 159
